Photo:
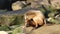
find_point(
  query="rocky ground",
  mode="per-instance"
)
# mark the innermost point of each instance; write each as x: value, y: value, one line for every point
x: 51, y: 29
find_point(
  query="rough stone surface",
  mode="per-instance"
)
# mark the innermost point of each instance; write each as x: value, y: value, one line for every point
x: 18, y: 5
x: 37, y: 3
x: 55, y: 4
x: 52, y: 29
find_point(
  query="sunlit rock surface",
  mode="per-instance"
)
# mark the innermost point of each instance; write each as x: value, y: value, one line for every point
x: 52, y: 29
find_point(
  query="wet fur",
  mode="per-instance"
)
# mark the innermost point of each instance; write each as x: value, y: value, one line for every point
x: 34, y: 18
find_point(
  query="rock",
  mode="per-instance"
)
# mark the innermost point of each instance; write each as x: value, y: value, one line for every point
x: 3, y: 32
x: 52, y: 29
x: 55, y: 4
x: 57, y: 17
x: 27, y: 30
x: 18, y: 5
x: 11, y: 19
x: 6, y: 4
x: 37, y: 3
x: 54, y: 17
x: 18, y: 30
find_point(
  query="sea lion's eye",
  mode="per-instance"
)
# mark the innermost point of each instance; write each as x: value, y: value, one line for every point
x: 31, y: 19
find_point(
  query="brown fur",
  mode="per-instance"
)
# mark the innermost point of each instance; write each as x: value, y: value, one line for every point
x: 34, y: 18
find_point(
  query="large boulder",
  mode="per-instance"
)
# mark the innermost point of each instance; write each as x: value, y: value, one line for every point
x: 7, y: 20
x: 53, y: 29
x: 37, y: 3
x: 18, y: 5
x: 6, y: 4
x: 55, y: 4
